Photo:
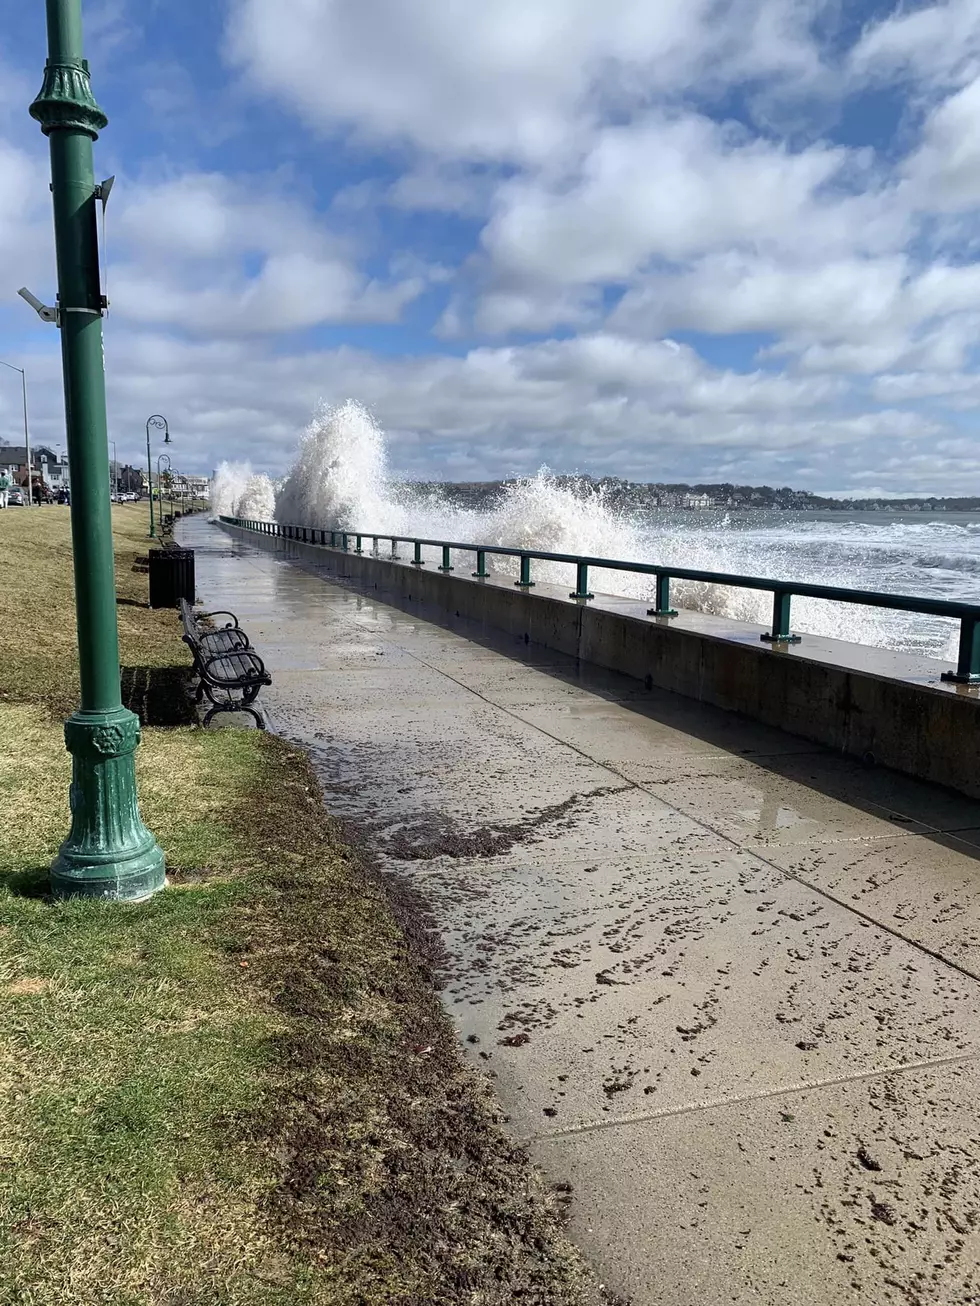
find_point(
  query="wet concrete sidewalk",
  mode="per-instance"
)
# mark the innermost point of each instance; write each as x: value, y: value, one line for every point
x: 725, y: 983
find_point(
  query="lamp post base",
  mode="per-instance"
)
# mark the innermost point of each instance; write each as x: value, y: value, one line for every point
x: 109, y: 852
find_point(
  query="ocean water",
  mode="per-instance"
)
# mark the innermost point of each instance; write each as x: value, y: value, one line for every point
x: 341, y: 478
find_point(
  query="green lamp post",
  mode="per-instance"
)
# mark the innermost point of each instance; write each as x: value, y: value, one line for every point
x: 109, y: 853
x: 160, y: 424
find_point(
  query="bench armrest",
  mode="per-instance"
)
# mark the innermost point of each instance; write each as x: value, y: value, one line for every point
x: 219, y: 613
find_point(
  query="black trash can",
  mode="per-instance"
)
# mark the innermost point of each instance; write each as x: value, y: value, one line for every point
x: 171, y: 577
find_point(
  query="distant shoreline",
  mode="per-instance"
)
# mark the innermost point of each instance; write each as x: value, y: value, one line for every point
x: 703, y: 497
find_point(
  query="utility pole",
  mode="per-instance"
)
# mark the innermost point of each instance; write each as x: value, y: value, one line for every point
x: 109, y: 853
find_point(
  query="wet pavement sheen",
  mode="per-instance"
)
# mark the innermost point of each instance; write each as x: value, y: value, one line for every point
x: 723, y: 981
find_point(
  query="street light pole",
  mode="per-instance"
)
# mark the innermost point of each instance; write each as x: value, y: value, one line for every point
x: 113, y: 472
x: 160, y: 458
x: 109, y: 853
x: 27, y: 436
x: 160, y: 423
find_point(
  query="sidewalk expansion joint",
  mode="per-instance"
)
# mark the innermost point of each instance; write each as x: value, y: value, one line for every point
x: 741, y: 1099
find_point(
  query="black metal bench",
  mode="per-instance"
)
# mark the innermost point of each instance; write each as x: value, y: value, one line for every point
x: 230, y: 672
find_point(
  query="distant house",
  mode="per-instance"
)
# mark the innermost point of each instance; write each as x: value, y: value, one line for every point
x: 698, y: 501
x: 45, y: 463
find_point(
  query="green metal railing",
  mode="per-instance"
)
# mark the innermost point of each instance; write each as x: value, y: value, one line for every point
x: 783, y: 591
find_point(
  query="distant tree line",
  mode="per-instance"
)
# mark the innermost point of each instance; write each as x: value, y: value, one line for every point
x: 724, y: 494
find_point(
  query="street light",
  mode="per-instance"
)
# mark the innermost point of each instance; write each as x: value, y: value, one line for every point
x: 159, y: 423
x: 114, y: 471
x: 27, y: 438
x: 160, y: 458
x: 109, y: 852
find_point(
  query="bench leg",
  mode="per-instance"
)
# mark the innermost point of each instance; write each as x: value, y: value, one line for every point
x: 234, y: 707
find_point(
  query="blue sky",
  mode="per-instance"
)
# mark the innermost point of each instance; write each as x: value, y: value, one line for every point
x: 695, y: 240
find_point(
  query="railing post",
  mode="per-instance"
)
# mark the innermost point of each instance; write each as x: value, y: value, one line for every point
x: 780, y: 633
x: 394, y: 548
x: 968, y: 662
x: 344, y: 537
x: 446, y: 560
x: 374, y: 546
x: 525, y: 582
x: 358, y: 549
x: 581, y: 590
x: 417, y: 560
x: 481, y: 572
x: 663, y: 608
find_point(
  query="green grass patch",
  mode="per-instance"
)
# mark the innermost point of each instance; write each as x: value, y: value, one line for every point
x: 243, y: 1091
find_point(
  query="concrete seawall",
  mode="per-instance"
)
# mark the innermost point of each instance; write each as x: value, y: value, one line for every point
x: 867, y: 703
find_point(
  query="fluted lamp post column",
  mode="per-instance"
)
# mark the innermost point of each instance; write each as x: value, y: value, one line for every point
x: 109, y: 853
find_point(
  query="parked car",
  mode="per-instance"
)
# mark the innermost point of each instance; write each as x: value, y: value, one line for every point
x: 64, y: 496
x: 15, y: 498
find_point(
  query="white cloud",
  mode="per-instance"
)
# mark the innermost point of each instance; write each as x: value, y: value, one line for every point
x: 668, y: 188
x: 937, y: 42
x: 192, y: 245
x: 958, y: 389
x: 734, y: 292
x: 505, y: 81
x: 598, y: 403
x: 26, y: 236
x: 849, y: 315
x: 441, y: 188
x: 945, y: 170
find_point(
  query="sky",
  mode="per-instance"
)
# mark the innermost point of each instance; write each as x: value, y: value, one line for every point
x: 690, y: 240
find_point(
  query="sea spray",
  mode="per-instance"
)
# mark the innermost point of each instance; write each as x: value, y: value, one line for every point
x: 257, y: 501
x: 227, y: 487
x: 341, y: 479
x: 340, y: 476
